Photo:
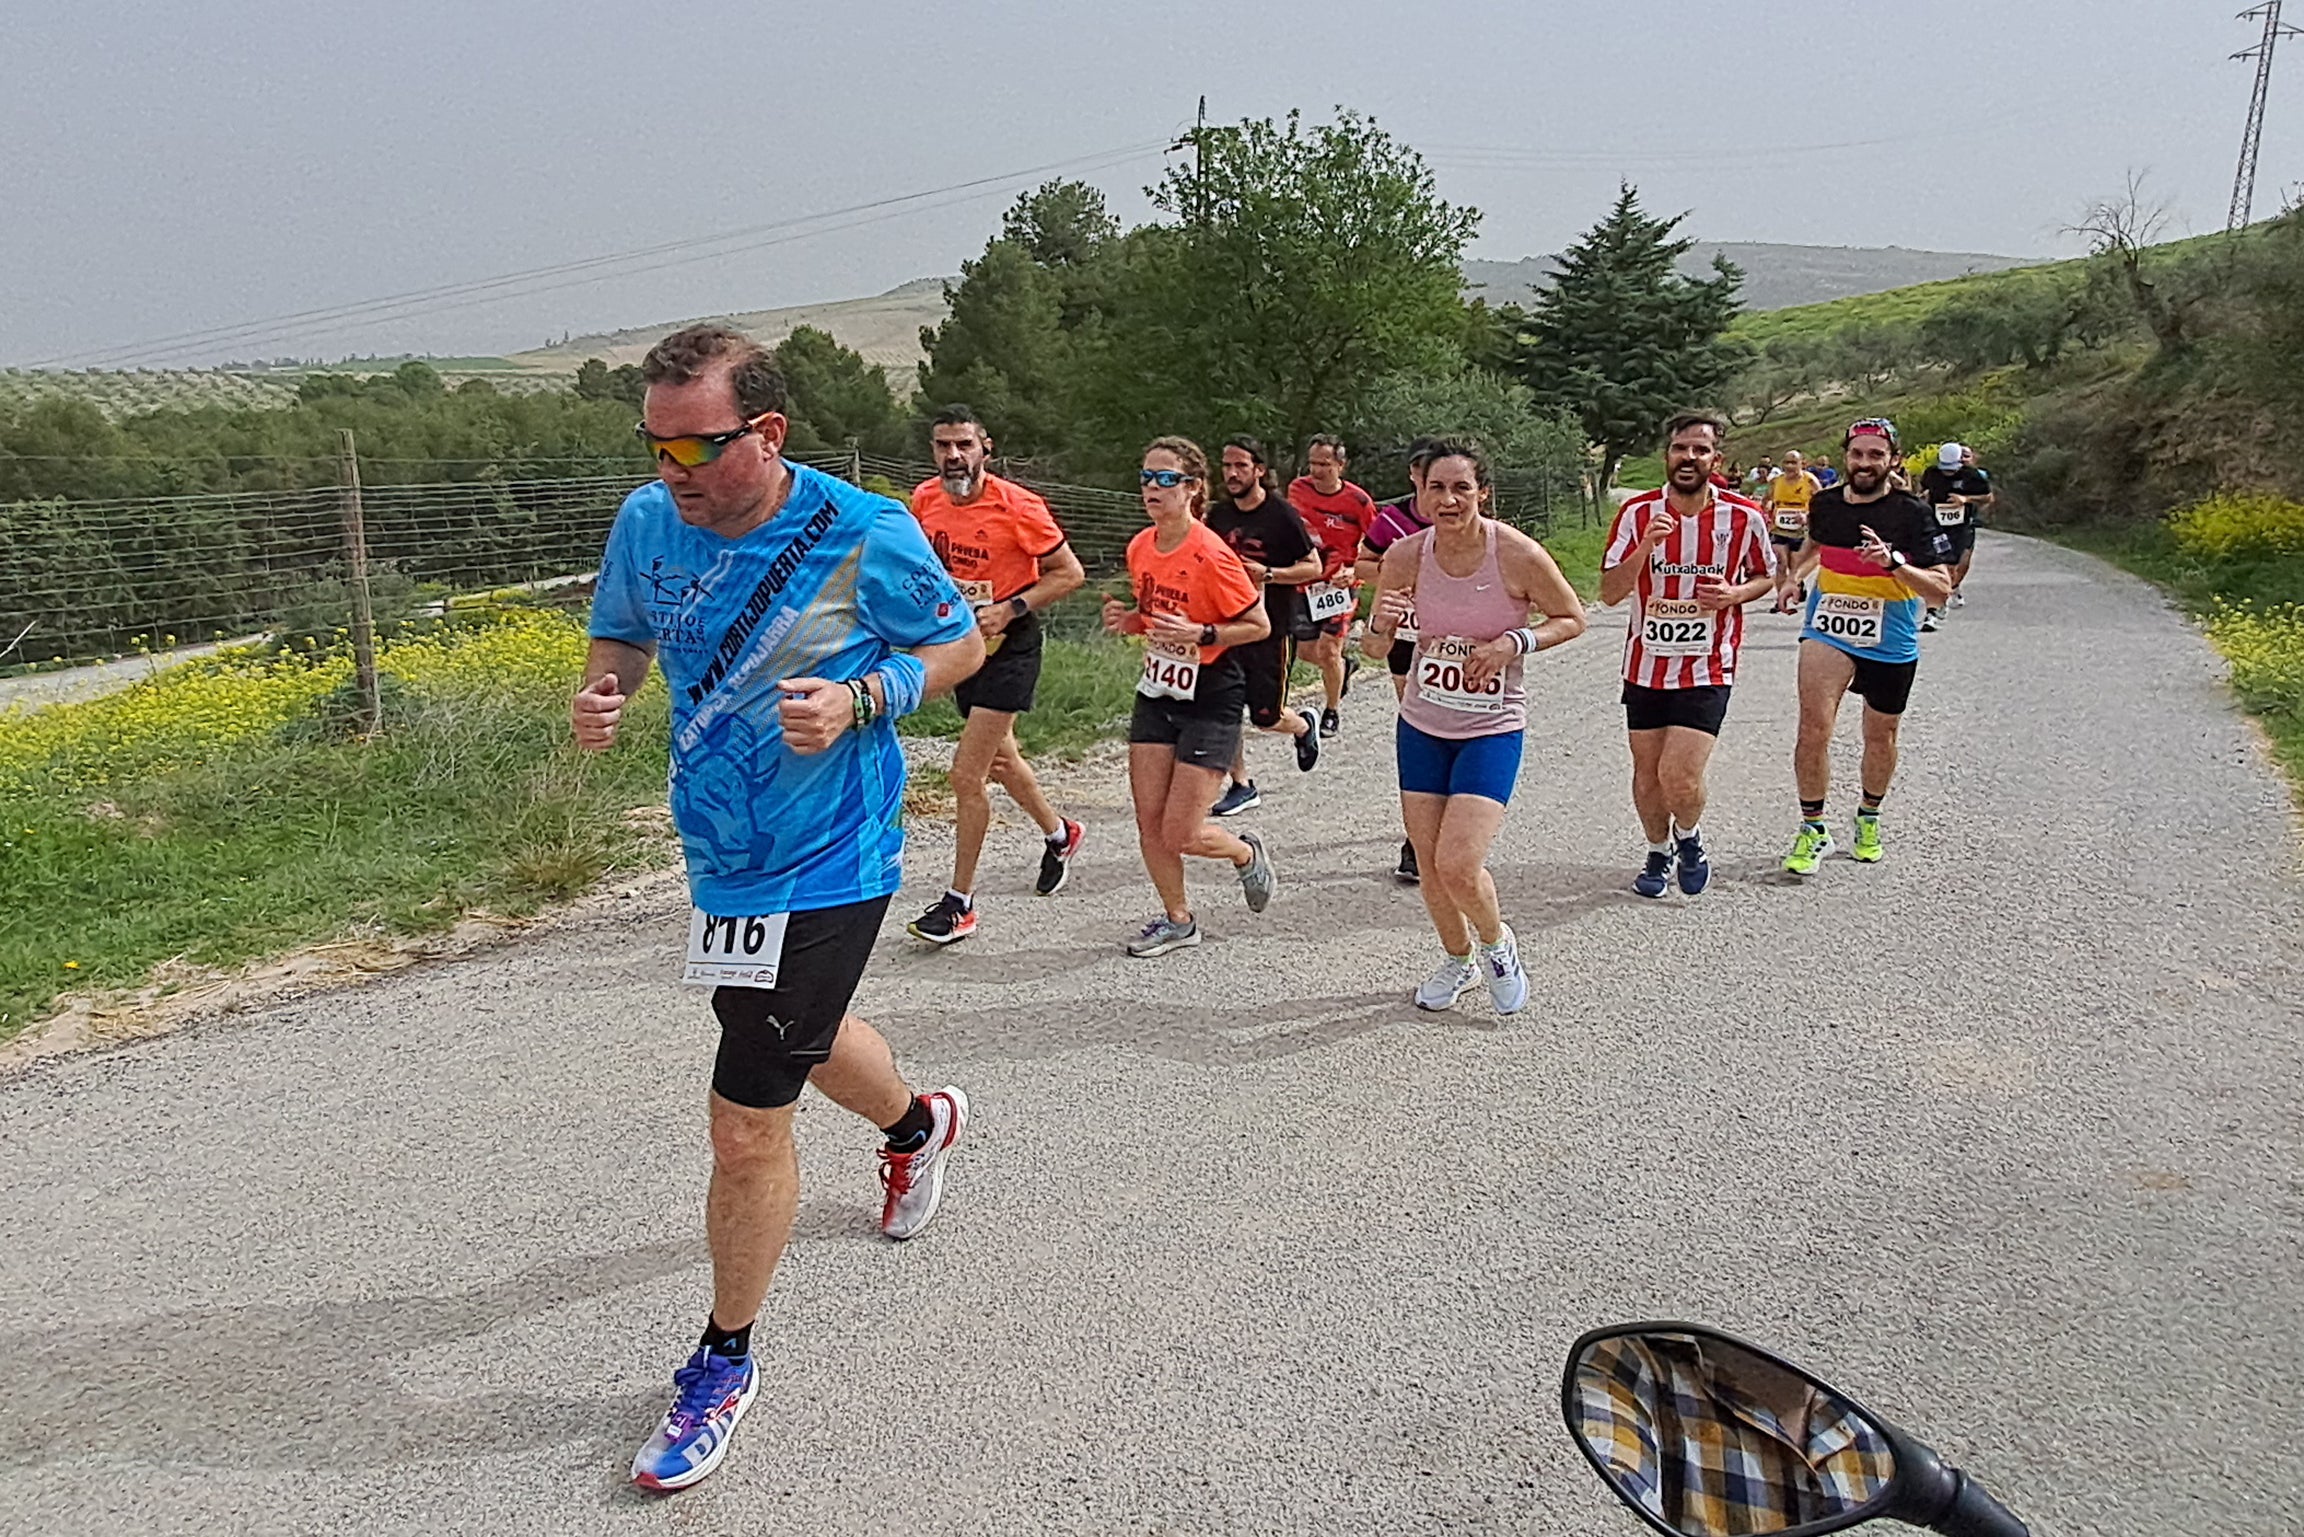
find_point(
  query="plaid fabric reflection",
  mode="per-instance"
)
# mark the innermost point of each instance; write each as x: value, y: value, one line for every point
x: 1711, y: 1461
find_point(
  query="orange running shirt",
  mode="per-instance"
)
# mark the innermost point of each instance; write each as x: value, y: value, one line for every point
x: 995, y: 542
x: 1201, y: 579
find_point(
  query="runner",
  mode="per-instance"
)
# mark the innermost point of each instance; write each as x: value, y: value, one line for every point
x: 796, y: 618
x: 1010, y: 561
x: 1954, y: 491
x: 1958, y: 492
x: 1826, y: 476
x: 1788, y: 497
x: 1265, y: 533
x: 1876, y: 554
x: 1472, y: 584
x: 1395, y: 521
x: 1194, y: 602
x: 1336, y: 513
x: 1694, y: 556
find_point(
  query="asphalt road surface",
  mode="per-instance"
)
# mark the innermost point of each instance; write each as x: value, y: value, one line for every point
x: 2003, y: 1134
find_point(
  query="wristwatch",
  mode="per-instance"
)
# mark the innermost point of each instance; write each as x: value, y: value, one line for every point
x: 1207, y: 635
x: 1019, y: 606
x: 1896, y: 560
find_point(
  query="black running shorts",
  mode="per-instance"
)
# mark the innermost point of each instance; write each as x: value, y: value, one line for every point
x: 772, y: 1037
x: 1401, y: 658
x: 1702, y: 708
x: 1962, y: 540
x: 1265, y: 665
x: 1009, y: 677
x: 1885, y: 686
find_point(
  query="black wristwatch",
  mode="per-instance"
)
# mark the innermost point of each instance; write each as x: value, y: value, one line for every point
x: 1207, y: 635
x: 1019, y: 606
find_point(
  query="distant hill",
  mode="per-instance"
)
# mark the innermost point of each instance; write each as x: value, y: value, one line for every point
x: 1776, y: 277
x: 884, y: 328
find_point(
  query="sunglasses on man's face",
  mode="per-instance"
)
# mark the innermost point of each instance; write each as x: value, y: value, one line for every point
x: 1166, y: 480
x: 693, y: 449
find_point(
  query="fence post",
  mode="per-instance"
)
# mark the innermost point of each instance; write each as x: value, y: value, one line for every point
x: 855, y: 463
x: 363, y: 610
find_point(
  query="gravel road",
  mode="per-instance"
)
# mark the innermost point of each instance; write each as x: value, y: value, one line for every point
x: 2003, y: 1134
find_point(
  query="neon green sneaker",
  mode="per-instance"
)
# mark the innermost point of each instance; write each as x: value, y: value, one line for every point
x: 1808, y: 849
x: 1867, y: 850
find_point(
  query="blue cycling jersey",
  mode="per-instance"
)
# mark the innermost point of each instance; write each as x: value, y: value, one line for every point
x: 827, y: 588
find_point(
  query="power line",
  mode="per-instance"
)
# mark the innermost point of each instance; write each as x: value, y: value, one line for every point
x: 515, y: 284
x: 2252, y: 139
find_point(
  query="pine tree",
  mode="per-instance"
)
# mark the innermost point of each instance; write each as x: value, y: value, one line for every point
x: 1621, y: 340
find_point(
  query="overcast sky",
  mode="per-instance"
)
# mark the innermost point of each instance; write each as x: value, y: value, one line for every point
x: 168, y: 168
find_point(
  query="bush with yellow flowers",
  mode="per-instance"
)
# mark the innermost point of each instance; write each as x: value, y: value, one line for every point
x: 2234, y: 526
x: 2265, y: 645
x: 187, y: 714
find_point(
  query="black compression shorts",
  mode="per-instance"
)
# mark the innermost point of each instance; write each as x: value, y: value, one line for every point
x: 1266, y: 664
x: 772, y: 1037
x: 1703, y: 708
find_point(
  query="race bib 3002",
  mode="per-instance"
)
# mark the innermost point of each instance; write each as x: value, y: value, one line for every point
x: 1850, y: 619
x: 734, y: 952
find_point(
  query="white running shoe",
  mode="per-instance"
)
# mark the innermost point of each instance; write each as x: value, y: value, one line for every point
x: 915, y: 1181
x: 1507, y: 978
x: 1452, y: 981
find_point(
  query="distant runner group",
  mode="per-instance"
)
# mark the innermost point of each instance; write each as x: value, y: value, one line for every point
x: 797, y: 617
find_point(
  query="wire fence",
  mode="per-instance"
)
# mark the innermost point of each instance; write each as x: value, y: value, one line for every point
x: 82, y: 579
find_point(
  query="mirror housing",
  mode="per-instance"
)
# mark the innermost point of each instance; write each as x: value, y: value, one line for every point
x: 1672, y: 1401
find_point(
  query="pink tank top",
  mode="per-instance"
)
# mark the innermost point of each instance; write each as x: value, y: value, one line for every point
x: 1475, y: 608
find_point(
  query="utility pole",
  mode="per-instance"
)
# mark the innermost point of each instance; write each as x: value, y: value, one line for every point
x: 2244, y: 185
x: 1198, y: 140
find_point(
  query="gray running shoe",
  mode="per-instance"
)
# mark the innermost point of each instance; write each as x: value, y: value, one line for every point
x: 1256, y: 878
x: 1452, y: 981
x: 1507, y: 978
x: 1162, y: 935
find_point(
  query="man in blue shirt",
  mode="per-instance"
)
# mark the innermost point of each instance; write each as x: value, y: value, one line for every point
x: 795, y: 617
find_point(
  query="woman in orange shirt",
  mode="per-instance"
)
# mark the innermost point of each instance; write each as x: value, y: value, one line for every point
x: 1194, y: 602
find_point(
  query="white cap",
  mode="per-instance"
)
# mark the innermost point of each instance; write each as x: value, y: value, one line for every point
x: 1948, y: 457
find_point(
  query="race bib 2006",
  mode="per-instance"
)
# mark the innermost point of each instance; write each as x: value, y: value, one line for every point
x: 1407, y: 630
x: 1675, y: 627
x: 1170, y: 671
x: 1441, y: 678
x: 1854, y: 620
x: 734, y: 952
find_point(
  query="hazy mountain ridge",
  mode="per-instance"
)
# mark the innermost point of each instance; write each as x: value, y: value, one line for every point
x: 885, y: 327
x: 1776, y: 277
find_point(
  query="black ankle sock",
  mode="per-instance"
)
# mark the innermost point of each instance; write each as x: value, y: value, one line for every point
x: 1812, y: 810
x: 729, y: 1343
x: 911, y: 1133
x: 1869, y: 806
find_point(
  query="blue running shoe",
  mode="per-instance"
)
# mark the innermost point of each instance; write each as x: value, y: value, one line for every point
x: 709, y: 1395
x: 1695, y: 869
x: 1654, y: 876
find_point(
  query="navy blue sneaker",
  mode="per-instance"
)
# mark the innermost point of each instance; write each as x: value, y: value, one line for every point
x: 1695, y: 869
x: 709, y: 1395
x: 1654, y: 876
x: 1236, y: 799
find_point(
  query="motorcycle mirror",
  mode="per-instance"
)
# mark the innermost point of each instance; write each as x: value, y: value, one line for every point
x: 1706, y: 1436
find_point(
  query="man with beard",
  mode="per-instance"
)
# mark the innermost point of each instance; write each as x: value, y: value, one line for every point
x: 1010, y: 561
x: 1694, y: 555
x: 1279, y: 556
x: 1874, y: 555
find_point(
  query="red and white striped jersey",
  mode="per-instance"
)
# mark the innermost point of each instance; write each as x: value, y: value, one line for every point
x: 1674, y: 642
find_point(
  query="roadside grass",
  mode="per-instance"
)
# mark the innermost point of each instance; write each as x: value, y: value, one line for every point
x: 1087, y: 687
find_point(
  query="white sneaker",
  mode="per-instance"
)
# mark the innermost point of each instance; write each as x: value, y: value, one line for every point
x: 1959, y: 599
x: 1452, y: 981
x: 915, y: 1181
x: 1507, y: 978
